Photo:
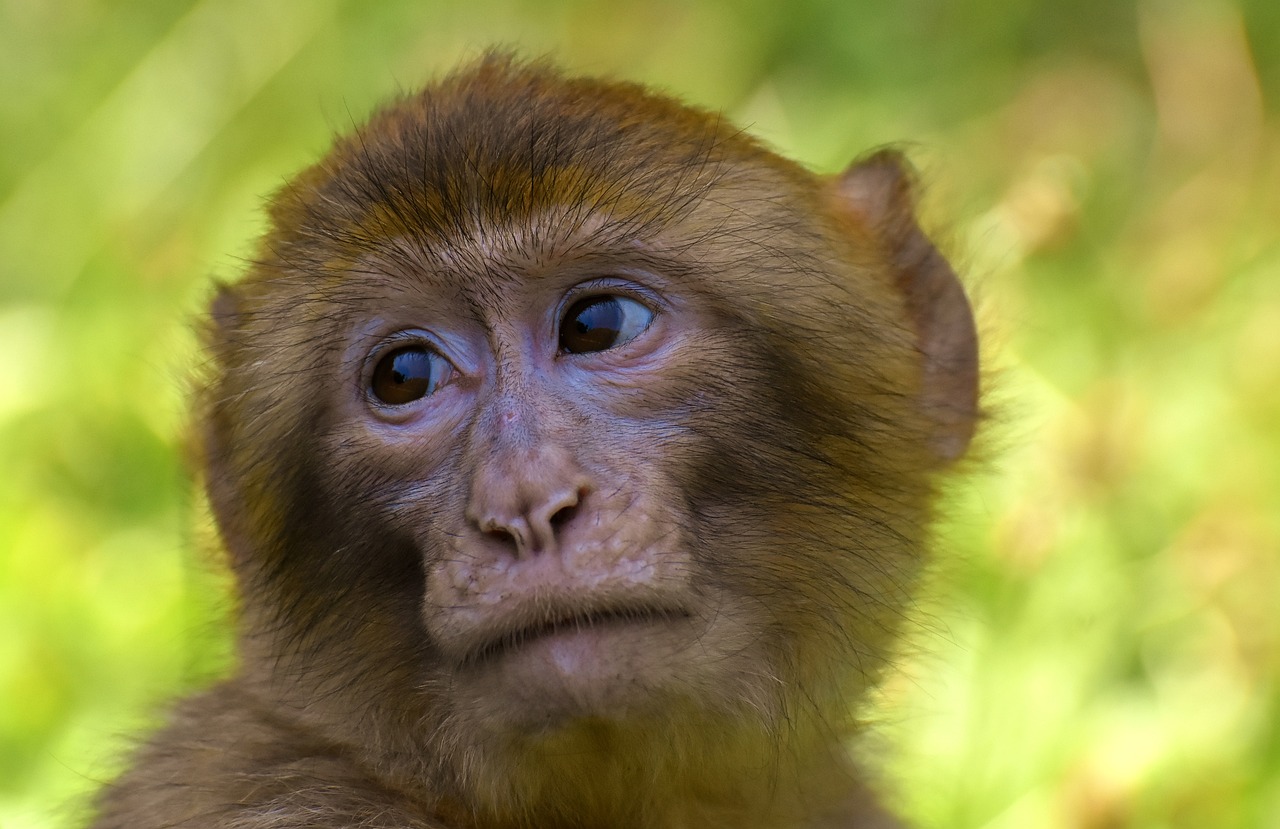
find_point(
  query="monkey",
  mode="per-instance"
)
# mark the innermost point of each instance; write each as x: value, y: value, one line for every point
x: 575, y: 456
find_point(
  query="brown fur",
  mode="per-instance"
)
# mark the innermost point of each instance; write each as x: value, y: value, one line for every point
x: 754, y: 481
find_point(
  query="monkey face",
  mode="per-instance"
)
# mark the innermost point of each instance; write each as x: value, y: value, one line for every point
x: 568, y: 467
x: 585, y: 472
x: 530, y: 429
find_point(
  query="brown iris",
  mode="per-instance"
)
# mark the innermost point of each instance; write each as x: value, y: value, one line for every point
x: 598, y: 323
x: 407, y: 374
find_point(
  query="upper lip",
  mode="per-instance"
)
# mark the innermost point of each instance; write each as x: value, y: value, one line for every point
x: 495, y: 643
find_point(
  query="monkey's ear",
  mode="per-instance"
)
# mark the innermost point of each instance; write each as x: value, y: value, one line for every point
x: 224, y: 310
x: 210, y: 441
x: 877, y: 193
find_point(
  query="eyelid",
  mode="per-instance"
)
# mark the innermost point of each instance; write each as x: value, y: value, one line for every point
x: 400, y: 339
x: 612, y: 286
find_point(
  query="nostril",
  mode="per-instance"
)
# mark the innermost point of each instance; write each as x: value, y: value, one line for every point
x: 505, y: 537
x: 563, y: 516
x: 568, y: 509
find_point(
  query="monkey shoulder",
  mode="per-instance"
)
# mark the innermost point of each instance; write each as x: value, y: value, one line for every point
x: 225, y: 761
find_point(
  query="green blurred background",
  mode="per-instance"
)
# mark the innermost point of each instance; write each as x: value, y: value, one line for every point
x: 1101, y: 648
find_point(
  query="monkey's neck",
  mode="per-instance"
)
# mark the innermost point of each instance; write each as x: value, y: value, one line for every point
x: 688, y: 775
x: 746, y: 768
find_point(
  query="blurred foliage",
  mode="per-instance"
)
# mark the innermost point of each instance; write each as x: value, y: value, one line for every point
x: 1103, y: 644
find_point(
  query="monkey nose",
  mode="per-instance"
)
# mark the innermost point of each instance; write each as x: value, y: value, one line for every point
x: 534, y: 527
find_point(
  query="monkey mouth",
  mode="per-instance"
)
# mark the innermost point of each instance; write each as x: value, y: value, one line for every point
x: 602, y: 619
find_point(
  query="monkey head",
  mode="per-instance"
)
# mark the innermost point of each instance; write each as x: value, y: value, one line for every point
x: 560, y: 430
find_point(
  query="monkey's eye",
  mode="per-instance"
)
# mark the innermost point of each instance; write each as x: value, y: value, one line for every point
x: 407, y: 374
x: 597, y: 323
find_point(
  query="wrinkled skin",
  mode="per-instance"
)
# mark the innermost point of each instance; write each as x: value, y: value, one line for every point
x: 575, y: 456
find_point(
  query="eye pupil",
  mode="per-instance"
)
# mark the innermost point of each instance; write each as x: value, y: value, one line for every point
x: 593, y: 325
x: 598, y: 323
x: 405, y: 375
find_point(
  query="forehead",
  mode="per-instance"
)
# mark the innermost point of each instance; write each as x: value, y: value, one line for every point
x: 508, y: 143
x: 502, y: 169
